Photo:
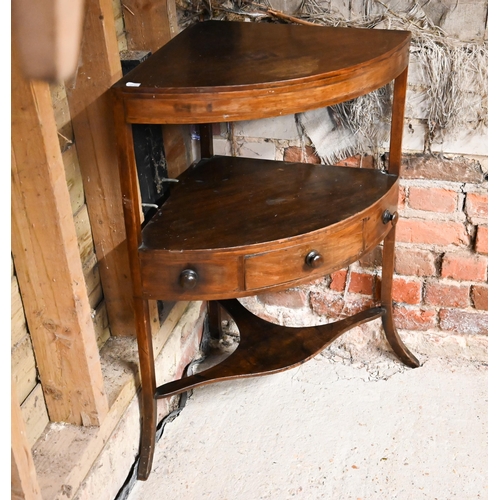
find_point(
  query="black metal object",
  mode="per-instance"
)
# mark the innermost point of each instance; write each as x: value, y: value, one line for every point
x: 188, y: 279
x: 387, y: 217
x: 149, y: 151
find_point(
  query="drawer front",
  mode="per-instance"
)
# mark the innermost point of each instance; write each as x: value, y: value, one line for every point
x: 334, y: 248
x: 168, y: 277
x: 380, y: 220
x: 210, y: 275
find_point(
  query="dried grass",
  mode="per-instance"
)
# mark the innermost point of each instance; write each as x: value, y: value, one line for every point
x: 454, y: 72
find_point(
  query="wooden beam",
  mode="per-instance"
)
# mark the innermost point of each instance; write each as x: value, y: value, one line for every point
x: 24, y: 483
x: 149, y: 26
x: 47, y: 261
x: 47, y: 34
x: 95, y: 142
x: 35, y: 415
x: 67, y: 458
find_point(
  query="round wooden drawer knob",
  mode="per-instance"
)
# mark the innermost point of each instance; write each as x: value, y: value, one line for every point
x: 389, y: 217
x: 314, y: 259
x: 188, y: 279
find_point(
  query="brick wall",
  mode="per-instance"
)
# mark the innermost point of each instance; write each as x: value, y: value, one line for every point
x: 440, y: 281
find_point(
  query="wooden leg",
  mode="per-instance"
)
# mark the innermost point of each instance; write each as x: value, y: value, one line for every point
x: 401, y: 351
x: 214, y: 319
x: 148, y: 382
x: 206, y: 140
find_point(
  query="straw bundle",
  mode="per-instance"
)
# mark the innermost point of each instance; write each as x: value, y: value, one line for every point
x: 454, y: 74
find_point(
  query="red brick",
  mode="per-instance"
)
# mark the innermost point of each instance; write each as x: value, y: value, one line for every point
x: 464, y: 266
x: 463, y: 322
x: 433, y: 199
x: 402, y: 197
x: 333, y: 305
x: 190, y: 345
x: 406, y: 291
x: 292, y: 299
x: 372, y: 259
x: 446, y: 295
x: 408, y: 318
x: 357, y: 161
x: 361, y: 283
x: 354, y: 305
x: 426, y: 166
x: 431, y: 232
x: 297, y: 154
x: 479, y: 295
x: 414, y: 262
x: 266, y: 316
x: 476, y: 205
x: 326, y: 304
x: 338, y: 280
x: 323, y: 281
x: 481, y: 245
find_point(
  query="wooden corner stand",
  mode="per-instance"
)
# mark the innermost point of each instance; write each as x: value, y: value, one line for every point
x: 234, y: 227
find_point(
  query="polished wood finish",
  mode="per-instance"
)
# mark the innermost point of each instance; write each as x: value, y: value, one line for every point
x: 210, y: 206
x: 244, y: 226
x: 234, y: 227
x: 243, y: 71
x: 266, y: 348
x: 397, y: 122
x: 401, y: 351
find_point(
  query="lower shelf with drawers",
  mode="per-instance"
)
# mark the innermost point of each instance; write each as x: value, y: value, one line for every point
x: 234, y: 227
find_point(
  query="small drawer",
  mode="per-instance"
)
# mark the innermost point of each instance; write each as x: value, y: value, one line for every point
x: 332, y: 250
x: 177, y: 277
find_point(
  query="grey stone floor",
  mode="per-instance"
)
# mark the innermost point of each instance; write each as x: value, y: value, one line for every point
x: 352, y: 423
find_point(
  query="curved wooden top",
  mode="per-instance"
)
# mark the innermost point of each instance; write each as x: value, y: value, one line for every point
x: 219, y: 71
x: 228, y: 203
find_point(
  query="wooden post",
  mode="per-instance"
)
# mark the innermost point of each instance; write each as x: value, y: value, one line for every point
x: 397, y: 122
x: 47, y: 261
x: 48, y: 35
x: 92, y: 119
x: 23, y: 483
x: 149, y: 27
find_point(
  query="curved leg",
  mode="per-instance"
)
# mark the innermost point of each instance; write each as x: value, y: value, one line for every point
x: 401, y: 351
x: 148, y: 381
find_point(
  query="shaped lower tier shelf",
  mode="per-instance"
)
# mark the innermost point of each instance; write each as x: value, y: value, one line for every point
x: 234, y: 227
x: 266, y: 348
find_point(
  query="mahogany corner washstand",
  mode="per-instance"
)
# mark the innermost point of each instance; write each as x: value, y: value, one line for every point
x: 234, y: 227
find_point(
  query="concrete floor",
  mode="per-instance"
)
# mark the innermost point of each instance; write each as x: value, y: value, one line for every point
x: 352, y: 423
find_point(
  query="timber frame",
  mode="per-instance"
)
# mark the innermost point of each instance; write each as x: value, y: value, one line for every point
x: 45, y: 247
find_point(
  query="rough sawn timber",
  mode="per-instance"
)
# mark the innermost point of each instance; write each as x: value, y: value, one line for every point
x: 47, y: 262
x: 94, y: 138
